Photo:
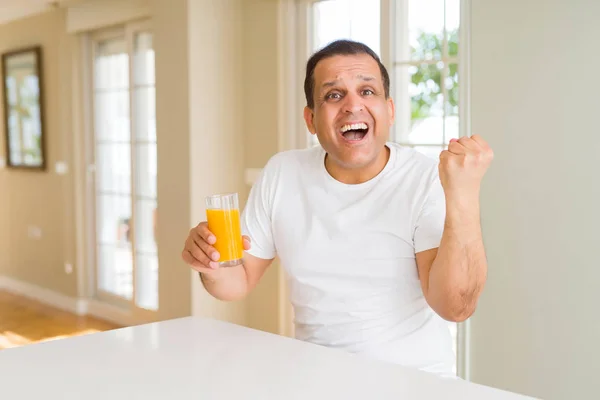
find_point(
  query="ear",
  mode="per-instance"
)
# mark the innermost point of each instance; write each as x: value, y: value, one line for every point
x: 309, y: 116
x: 391, y: 110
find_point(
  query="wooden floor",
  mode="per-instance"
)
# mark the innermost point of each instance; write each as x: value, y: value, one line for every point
x: 24, y: 321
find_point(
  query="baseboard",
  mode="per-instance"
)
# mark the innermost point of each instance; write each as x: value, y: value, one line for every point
x: 110, y: 313
x: 46, y: 296
x: 76, y: 306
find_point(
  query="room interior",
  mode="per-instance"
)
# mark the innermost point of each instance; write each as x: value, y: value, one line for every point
x: 213, y: 90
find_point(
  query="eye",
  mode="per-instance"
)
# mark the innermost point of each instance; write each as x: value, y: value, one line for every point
x: 367, y: 92
x: 333, y: 96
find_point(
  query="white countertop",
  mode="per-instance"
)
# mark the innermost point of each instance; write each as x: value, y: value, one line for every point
x: 195, y: 358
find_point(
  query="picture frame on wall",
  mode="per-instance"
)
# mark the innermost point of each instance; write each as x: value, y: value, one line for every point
x: 23, y: 100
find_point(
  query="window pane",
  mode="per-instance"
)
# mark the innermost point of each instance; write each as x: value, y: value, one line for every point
x: 145, y: 225
x: 358, y: 20
x: 430, y: 151
x: 11, y: 91
x: 452, y: 26
x: 426, y: 29
x: 421, y: 103
x: 451, y: 123
x: 146, y: 169
x: 143, y: 63
x: 451, y: 84
x: 145, y: 113
x: 425, y: 90
x: 112, y: 115
x: 111, y: 65
x: 113, y: 219
x: 115, y: 270
x: 453, y: 326
x: 113, y: 166
x: 117, y: 101
x: 451, y: 128
x: 15, y: 138
x: 147, y: 281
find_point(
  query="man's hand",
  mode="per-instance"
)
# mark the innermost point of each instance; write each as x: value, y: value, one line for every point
x: 227, y: 284
x: 198, y: 251
x: 463, y: 166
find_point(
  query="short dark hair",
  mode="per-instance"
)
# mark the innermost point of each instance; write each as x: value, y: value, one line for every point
x: 339, y: 48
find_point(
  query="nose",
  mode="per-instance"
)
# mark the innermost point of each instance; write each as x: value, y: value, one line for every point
x: 353, y: 103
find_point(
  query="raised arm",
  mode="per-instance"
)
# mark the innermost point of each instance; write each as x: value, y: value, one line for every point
x: 453, y: 275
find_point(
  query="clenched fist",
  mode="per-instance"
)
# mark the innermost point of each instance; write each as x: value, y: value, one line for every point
x: 463, y: 166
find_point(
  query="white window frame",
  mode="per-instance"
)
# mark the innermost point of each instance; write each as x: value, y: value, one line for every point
x: 294, y: 48
x: 104, y: 305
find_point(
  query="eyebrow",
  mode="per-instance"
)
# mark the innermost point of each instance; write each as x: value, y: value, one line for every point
x: 366, y: 78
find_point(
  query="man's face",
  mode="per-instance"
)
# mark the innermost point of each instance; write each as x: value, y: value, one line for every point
x: 351, y: 115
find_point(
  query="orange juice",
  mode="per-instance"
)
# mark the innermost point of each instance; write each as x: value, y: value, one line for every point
x: 225, y: 225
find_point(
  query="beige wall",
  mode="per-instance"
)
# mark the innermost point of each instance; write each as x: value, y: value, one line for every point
x: 216, y: 123
x: 260, y: 130
x: 534, y: 97
x: 173, y: 141
x: 260, y: 81
x: 41, y: 199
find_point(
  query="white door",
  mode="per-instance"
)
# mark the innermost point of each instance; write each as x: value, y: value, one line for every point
x: 123, y: 168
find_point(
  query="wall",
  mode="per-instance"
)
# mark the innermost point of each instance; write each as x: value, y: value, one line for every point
x: 260, y: 131
x: 44, y: 200
x: 534, y: 97
x: 173, y: 145
x: 260, y: 81
x: 216, y: 123
x: 97, y: 14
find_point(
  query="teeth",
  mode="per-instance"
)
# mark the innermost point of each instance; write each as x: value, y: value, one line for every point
x: 350, y: 127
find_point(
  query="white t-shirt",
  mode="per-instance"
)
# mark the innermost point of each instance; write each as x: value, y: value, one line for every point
x: 349, y: 253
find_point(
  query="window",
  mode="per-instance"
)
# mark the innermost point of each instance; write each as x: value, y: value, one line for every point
x: 425, y: 72
x: 422, y: 57
x: 351, y: 19
x: 125, y: 164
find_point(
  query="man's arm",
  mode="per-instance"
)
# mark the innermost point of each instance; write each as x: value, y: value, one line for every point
x: 224, y: 283
x: 234, y: 283
x: 453, y: 275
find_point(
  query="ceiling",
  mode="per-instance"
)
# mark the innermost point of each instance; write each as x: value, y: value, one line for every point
x: 11, y: 10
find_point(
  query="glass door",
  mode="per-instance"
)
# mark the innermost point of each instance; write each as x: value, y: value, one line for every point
x: 125, y: 168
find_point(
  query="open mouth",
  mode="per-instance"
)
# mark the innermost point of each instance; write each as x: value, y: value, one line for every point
x: 354, y: 132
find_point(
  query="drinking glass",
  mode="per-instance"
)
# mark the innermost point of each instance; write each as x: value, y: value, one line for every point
x: 223, y: 216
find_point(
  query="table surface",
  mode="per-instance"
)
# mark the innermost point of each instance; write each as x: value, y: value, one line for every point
x: 197, y: 358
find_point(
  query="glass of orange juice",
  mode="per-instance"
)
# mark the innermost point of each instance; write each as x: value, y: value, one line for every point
x: 223, y: 217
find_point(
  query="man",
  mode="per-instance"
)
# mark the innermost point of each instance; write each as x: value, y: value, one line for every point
x: 382, y: 245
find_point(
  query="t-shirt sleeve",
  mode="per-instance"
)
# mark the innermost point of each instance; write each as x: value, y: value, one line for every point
x: 431, y: 219
x: 256, y: 216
